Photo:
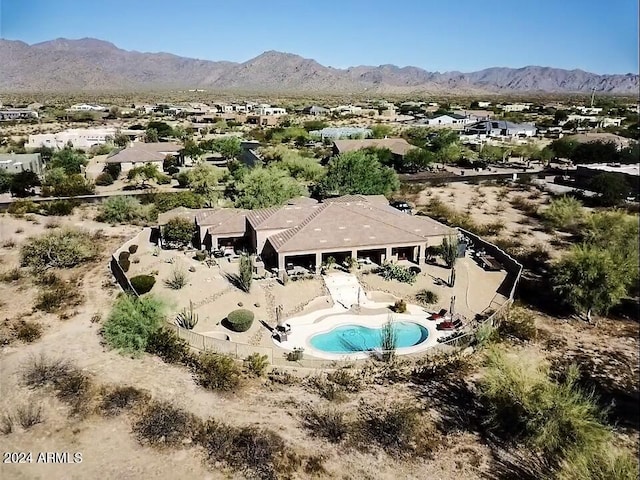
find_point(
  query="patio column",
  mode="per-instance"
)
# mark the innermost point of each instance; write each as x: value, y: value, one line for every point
x: 387, y: 255
x: 422, y: 258
x: 280, y: 263
x: 318, y: 261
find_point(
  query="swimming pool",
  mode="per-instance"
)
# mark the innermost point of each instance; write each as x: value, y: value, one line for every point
x: 357, y: 338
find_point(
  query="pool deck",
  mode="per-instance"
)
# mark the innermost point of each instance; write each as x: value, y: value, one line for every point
x: 347, y: 292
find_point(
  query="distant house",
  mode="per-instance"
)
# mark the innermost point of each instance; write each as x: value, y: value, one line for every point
x: 398, y: 146
x: 20, y: 162
x: 631, y: 173
x: 17, y: 114
x: 315, y: 110
x: 82, y: 138
x: 85, y: 107
x: 500, y: 128
x: 444, y: 120
x: 516, y: 107
x: 620, y: 142
x: 143, y: 153
x: 341, y: 132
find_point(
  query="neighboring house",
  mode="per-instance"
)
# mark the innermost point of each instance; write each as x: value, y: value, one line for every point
x: 445, y: 120
x: 500, y: 128
x: 82, y: 138
x: 315, y: 110
x: 17, y: 114
x: 590, y: 110
x: 85, y: 107
x: 620, y: 142
x: 595, y: 121
x: 347, y: 110
x: 307, y: 234
x: 19, y: 162
x: 516, y: 107
x: 398, y: 146
x: 341, y: 132
x: 484, y: 104
x: 143, y: 153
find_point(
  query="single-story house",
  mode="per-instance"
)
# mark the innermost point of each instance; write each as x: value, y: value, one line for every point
x: 444, y: 120
x: 315, y: 110
x: 398, y: 146
x: 19, y: 162
x: 630, y: 173
x: 144, y: 153
x: 500, y: 128
x: 306, y: 234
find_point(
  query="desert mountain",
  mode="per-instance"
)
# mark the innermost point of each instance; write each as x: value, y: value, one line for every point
x: 89, y: 64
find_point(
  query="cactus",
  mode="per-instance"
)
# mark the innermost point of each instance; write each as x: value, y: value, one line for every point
x: 187, y: 318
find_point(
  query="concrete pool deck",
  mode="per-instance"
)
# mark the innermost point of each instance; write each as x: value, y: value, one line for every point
x: 347, y: 292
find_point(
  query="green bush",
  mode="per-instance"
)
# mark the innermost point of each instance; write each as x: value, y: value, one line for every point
x: 178, y: 231
x: 22, y: 207
x: 58, y: 296
x: 104, y: 179
x: 240, y: 320
x: 123, y: 260
x: 564, y: 213
x: 201, y: 255
x: 256, y: 364
x: 163, y: 179
x: 519, y: 323
x: 133, y: 249
x: 400, y: 306
x: 123, y: 209
x: 65, y: 248
x: 131, y: 323
x: 168, y: 346
x: 143, y: 283
x: 59, y: 207
x: 392, y: 271
x: 217, y: 372
x: 177, y: 279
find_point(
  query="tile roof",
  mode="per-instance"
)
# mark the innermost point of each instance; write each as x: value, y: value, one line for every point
x: 398, y: 146
x: 287, y: 216
x: 223, y: 221
x: 143, y: 152
x: 341, y: 225
x: 182, y: 212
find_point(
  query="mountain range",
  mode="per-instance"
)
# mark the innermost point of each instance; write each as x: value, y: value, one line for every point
x: 88, y: 64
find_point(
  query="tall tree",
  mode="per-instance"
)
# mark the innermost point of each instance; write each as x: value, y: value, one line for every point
x: 204, y: 178
x: 589, y: 280
x: 357, y: 173
x: 266, y: 187
x: 69, y: 159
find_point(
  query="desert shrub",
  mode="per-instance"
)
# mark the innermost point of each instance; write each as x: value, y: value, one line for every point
x: 42, y: 370
x: 143, y: 283
x: 178, y: 279
x: 58, y: 296
x: 59, y: 207
x: 201, y: 255
x: 426, y: 297
x: 104, y: 179
x: 493, y: 228
x: 123, y: 209
x: 296, y: 354
x: 399, y: 429
x: 133, y: 249
x: 163, y: 179
x: 256, y: 364
x: 22, y: 207
x: 28, y: 331
x: 118, y: 399
x: 240, y: 320
x: 246, y: 272
x: 400, y: 306
x: 328, y: 390
x: 168, y: 346
x: 113, y: 169
x: 131, y: 323
x: 11, y: 275
x: 125, y: 255
x: 65, y: 248
x: 608, y: 463
x: 74, y: 389
x: 392, y: 271
x: 346, y: 379
x: 6, y: 424
x: 163, y: 424
x: 327, y: 423
x: 178, y: 231
x: 217, y: 372
x: 523, y: 401
x: 564, y: 213
x: 528, y: 208
x: 10, y: 243
x: 260, y: 453
x: 29, y: 415
x: 519, y: 323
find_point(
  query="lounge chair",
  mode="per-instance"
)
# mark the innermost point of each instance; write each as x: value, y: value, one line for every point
x: 446, y: 325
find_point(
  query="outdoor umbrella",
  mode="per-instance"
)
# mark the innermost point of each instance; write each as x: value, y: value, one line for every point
x: 453, y: 303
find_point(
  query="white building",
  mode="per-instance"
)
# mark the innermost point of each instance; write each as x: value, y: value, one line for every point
x: 85, y: 107
x: 595, y: 121
x: 139, y: 153
x: 347, y: 110
x: 445, y: 120
x: 590, y: 110
x: 484, y: 104
x: 76, y: 137
x: 516, y: 107
x: 274, y: 111
x: 17, y: 114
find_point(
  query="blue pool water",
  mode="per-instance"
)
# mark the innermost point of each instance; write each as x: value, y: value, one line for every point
x: 356, y: 338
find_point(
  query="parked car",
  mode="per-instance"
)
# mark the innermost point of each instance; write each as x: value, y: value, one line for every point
x: 401, y: 205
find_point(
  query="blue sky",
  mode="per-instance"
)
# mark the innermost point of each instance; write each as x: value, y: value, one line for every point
x: 439, y: 35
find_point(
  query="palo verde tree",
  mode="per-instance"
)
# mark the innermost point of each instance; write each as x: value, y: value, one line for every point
x: 357, y: 173
x: 589, y: 280
x: 266, y: 187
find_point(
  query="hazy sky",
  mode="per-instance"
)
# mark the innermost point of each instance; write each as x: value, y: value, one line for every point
x: 439, y: 35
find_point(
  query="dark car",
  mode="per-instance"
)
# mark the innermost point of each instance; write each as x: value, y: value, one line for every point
x: 401, y: 205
